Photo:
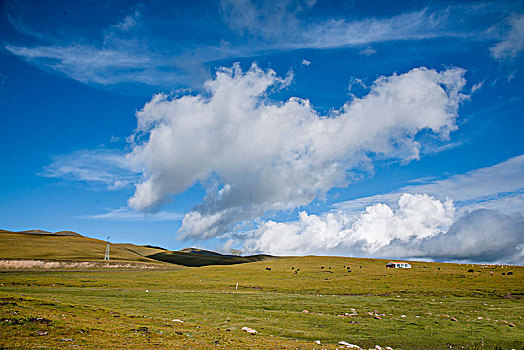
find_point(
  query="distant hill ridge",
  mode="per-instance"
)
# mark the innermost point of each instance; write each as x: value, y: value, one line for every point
x: 203, y: 252
x: 42, y: 232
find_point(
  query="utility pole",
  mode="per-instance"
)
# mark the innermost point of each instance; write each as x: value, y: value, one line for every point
x: 106, y: 257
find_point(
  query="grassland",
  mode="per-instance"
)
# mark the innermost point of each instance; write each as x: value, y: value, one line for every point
x: 431, y: 306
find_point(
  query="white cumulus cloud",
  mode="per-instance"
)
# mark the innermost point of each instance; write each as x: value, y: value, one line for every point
x: 421, y: 227
x: 256, y: 155
x: 417, y: 217
x: 483, y: 223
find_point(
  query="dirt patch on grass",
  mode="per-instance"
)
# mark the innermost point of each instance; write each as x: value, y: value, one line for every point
x: 51, y: 264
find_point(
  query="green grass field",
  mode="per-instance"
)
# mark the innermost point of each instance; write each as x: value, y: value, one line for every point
x: 431, y: 306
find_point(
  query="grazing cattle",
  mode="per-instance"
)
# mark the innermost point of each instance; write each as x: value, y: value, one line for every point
x: 268, y: 268
x: 321, y: 267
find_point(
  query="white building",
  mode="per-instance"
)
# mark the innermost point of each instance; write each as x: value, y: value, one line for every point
x: 398, y: 265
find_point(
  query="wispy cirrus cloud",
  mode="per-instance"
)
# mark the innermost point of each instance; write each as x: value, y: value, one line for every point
x: 292, y: 24
x: 126, y: 214
x: 512, y: 39
x: 368, y: 51
x: 288, y: 24
x: 492, y: 187
x: 135, y: 50
x: 87, y: 64
x: 109, y: 168
x: 128, y: 22
x: 122, y: 55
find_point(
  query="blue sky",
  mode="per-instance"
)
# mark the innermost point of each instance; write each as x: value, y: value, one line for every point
x: 358, y: 128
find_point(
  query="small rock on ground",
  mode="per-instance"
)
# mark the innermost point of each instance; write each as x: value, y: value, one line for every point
x: 249, y: 330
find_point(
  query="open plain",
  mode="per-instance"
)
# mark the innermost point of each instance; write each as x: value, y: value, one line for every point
x: 290, y: 301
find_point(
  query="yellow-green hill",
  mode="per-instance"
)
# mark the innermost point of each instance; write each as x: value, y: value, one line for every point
x: 17, y: 245
x: 68, y: 245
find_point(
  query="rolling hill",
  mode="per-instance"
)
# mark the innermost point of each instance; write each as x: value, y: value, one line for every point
x: 199, y: 259
x: 68, y: 245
